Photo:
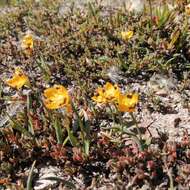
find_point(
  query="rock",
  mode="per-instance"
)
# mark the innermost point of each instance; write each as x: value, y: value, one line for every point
x: 135, y: 5
x: 131, y: 5
x: 47, y: 172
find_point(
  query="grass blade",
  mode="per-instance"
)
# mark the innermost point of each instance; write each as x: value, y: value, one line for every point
x: 30, y: 177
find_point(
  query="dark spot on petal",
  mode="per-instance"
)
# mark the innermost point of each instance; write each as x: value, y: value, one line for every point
x: 129, y: 96
x: 57, y: 87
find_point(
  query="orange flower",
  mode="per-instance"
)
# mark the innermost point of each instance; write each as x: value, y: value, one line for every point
x: 18, y: 80
x: 27, y: 44
x: 108, y: 93
x: 128, y: 102
x: 57, y: 97
x: 100, y: 98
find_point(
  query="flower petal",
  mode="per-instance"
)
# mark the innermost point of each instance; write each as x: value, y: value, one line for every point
x: 57, y: 97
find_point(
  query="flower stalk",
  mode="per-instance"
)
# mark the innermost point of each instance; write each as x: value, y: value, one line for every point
x: 58, y: 130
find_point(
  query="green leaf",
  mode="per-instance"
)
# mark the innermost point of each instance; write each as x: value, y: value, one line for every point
x: 86, y: 147
x: 16, y: 125
x: 72, y: 138
x: 58, y: 131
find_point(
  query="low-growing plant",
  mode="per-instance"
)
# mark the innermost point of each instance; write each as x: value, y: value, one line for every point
x: 49, y: 108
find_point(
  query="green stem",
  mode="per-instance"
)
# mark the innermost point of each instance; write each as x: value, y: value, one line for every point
x: 122, y: 124
x: 139, y: 133
x: 30, y: 177
x: 136, y: 124
x: 112, y: 115
x: 85, y: 140
x: 72, y: 138
x: 79, y: 122
x: 30, y: 124
x: 133, y: 136
x: 121, y: 121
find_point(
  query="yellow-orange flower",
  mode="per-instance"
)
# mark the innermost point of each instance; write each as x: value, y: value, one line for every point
x: 126, y: 35
x: 187, y: 10
x: 128, y: 102
x: 57, y: 97
x: 100, y: 98
x: 27, y: 44
x: 108, y: 93
x: 18, y: 80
